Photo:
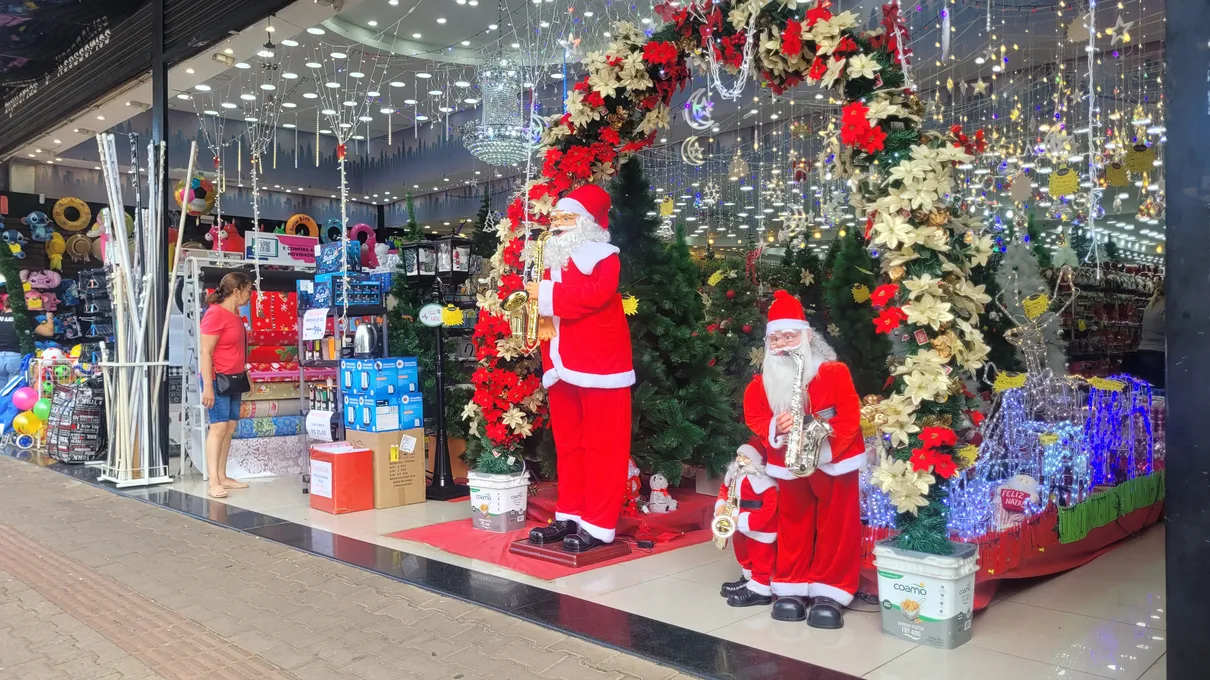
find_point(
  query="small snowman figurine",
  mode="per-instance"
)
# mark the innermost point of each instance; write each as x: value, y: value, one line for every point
x: 660, y: 501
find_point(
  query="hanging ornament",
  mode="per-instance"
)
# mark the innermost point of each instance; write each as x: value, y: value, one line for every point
x: 1116, y: 175
x: 861, y: 292
x: 1119, y: 32
x: 1140, y: 158
x: 1063, y: 182
x: 692, y: 151
x: 699, y: 110
x: 451, y: 316
x: 738, y: 167
x: 666, y: 207
x: 1021, y: 189
x: 1077, y: 30
x: 711, y: 194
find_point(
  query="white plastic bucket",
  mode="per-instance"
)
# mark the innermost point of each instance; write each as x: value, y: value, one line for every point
x: 498, y: 502
x: 927, y: 599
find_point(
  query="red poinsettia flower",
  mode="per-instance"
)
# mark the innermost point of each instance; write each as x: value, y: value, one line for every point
x: 875, y: 140
x: 883, y: 294
x: 594, y: 99
x: 934, y: 437
x: 610, y: 136
x: 791, y: 39
x: 944, y: 466
x: 659, y: 53
x: 889, y: 319
x: 818, y: 13
x: 550, y: 162
x: 819, y: 68
x: 924, y: 458
x: 869, y: 223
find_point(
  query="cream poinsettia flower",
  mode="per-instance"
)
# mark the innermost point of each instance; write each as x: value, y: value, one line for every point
x: 470, y: 411
x: 863, y: 66
x: 904, y: 486
x: 508, y: 348
x: 629, y: 32
x: 633, y: 74
x: 524, y: 429
x: 926, y: 361
x: 843, y: 21
x: 924, y: 284
x: 948, y: 153
x: 909, y: 172
x: 655, y: 119
x: 974, y: 355
x: 604, y: 81
x: 898, y: 258
x: 488, y: 301
x: 928, y: 311
x: 893, y: 231
x: 918, y: 196
x: 554, y: 133
x: 881, y: 107
x: 924, y: 386
x: 602, y: 171
x: 542, y: 206
x: 581, y: 113
x: 979, y: 252
x: 534, y: 401
x: 900, y: 419
x: 770, y: 42
x: 893, y: 201
x: 933, y: 238
x: 835, y: 71
x: 514, y: 418
x: 972, y: 292
x: 595, y: 61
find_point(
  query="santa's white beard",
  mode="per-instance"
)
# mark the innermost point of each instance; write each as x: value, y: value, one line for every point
x: 778, y: 373
x: 559, y: 247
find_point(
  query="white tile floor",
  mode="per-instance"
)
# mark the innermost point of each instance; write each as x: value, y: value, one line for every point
x: 1103, y: 620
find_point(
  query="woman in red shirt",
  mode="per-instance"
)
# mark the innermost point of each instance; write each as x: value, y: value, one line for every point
x: 225, y: 351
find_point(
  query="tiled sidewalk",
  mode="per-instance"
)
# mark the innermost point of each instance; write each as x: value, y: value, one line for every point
x: 93, y: 585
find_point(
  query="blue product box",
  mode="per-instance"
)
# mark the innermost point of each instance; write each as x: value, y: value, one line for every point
x: 380, y: 377
x: 306, y: 294
x: 363, y: 289
x: 327, y: 257
x: 384, y: 414
x: 321, y: 295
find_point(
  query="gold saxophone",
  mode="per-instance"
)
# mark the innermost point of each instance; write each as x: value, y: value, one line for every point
x: 804, y: 441
x: 726, y: 520
x: 523, y: 310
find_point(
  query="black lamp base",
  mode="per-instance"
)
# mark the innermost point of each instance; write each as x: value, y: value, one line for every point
x: 447, y: 492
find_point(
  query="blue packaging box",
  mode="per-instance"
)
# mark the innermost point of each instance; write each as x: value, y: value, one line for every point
x: 384, y: 414
x: 380, y: 377
x: 327, y: 257
x: 363, y: 289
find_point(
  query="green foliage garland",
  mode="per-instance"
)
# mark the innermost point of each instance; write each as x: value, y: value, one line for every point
x: 16, y: 301
x: 858, y: 345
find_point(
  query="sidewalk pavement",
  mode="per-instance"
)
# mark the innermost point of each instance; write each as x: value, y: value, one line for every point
x: 95, y: 585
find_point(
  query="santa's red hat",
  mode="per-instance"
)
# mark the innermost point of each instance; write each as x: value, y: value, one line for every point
x: 589, y: 201
x: 785, y: 314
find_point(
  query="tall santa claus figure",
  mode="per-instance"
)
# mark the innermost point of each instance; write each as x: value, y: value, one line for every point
x: 819, y: 520
x: 587, y: 370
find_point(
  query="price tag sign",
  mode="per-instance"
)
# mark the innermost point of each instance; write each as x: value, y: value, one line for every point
x: 430, y: 315
x: 315, y: 322
x: 319, y: 426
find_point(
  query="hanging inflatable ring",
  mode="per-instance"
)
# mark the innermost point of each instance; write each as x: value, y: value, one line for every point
x: 302, y: 221
x: 332, y: 231
x: 371, y: 239
x: 83, y: 214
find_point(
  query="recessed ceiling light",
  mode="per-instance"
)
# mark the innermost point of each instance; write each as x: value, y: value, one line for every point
x: 349, y: 103
x: 386, y: 110
x: 325, y: 132
x: 288, y: 105
x: 373, y: 93
x: 557, y: 76
x: 228, y: 51
x: 434, y: 92
x: 371, y: 23
x: 356, y: 74
x: 182, y: 96
x: 100, y: 117
x: 242, y: 64
x: 290, y: 43
x: 359, y: 137
x: 332, y: 84
x: 441, y: 20
x: 492, y: 27
x: 416, y: 36
x: 410, y: 102
x: 310, y: 95
x: 465, y: 43
x: 329, y: 112
x: 516, y: 46
x: 313, y: 64
x: 339, y: 55
x: 316, y: 30
x: 227, y: 105
x: 588, y: 14
x: 268, y: 87
x: 189, y: 71
x: 289, y: 126
x: 396, y: 83
x: 247, y: 97
x: 424, y: 75
x: 202, y: 87
x: 210, y: 112
x: 365, y: 119
x: 250, y: 119
x: 346, y: 125
x: 419, y: 117
x: 289, y: 76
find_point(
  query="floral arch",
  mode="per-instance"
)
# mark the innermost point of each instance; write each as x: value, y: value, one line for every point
x: 901, y: 178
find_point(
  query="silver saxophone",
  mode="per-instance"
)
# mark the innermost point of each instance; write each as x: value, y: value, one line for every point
x: 805, y: 439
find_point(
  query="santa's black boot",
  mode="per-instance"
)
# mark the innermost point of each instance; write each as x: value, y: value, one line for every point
x: 789, y: 608
x: 746, y: 597
x: 581, y: 542
x: 733, y: 586
x: 553, y: 532
x: 826, y: 613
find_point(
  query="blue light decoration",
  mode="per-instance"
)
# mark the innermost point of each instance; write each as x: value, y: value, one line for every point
x: 1119, y: 432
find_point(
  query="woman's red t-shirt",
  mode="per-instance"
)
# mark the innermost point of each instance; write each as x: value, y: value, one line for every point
x: 230, y: 352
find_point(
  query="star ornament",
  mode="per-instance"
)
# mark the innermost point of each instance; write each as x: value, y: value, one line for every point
x: 1119, y: 31
x: 980, y: 87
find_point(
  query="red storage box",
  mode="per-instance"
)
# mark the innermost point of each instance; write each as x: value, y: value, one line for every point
x: 342, y: 478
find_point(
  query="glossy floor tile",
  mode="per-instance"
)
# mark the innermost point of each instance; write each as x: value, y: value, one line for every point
x: 1159, y: 671
x: 1103, y: 620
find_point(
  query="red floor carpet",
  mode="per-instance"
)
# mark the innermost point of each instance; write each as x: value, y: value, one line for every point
x: 687, y: 525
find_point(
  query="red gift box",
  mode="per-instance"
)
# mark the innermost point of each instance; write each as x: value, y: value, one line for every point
x: 342, y: 478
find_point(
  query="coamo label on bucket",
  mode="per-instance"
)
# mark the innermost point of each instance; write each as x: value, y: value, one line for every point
x: 930, y: 602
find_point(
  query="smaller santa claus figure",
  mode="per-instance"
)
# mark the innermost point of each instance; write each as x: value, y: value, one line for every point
x: 755, y: 538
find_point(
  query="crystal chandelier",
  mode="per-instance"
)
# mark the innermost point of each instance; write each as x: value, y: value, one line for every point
x: 500, y: 136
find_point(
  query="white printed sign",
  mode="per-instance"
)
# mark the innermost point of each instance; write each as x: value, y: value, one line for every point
x: 315, y: 322
x: 319, y: 426
x: 407, y: 443
x: 321, y: 478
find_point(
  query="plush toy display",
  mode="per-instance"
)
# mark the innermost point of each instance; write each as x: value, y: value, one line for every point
x: 55, y: 248
x: 226, y: 238
x: 43, y: 279
x: 15, y: 240
x: 369, y: 257
x: 39, y: 225
x: 660, y: 501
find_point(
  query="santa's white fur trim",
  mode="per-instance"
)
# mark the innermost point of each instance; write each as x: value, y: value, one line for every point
x: 747, y: 573
x: 791, y: 589
x: 546, y: 298
x: 589, y: 254
x: 563, y: 517
x: 599, y: 533
x: 761, y: 483
x: 571, y: 205
x: 759, y: 536
x: 823, y: 590
x: 598, y: 380
x: 845, y: 466
x: 758, y: 588
x: 779, y: 472
x: 775, y: 440
x: 786, y: 325
x: 718, y: 504
x: 752, y: 454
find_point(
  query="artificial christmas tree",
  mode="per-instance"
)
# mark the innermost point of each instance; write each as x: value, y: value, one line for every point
x: 1034, y: 234
x: 805, y: 279
x: 484, y: 241
x: 682, y: 410
x: 735, y: 323
x: 857, y: 341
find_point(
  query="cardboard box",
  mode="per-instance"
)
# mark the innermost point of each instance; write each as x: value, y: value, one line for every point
x: 363, y: 289
x: 342, y: 478
x: 398, y: 465
x: 380, y: 377
x: 384, y: 414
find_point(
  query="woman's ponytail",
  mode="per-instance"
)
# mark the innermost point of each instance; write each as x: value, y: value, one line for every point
x: 232, y: 282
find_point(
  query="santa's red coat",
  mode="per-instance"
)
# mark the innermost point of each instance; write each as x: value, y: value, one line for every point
x: 756, y: 536
x: 591, y: 347
x: 832, y: 387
